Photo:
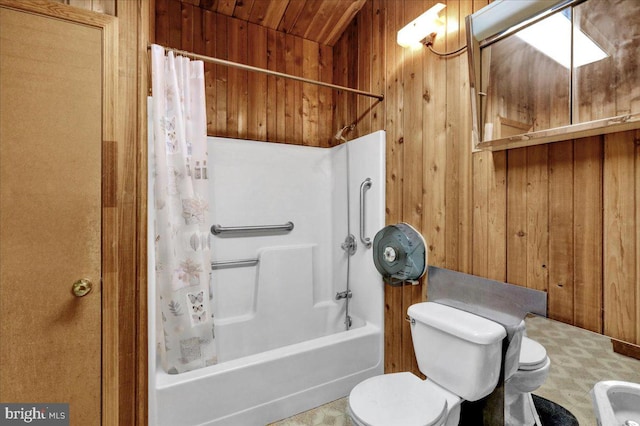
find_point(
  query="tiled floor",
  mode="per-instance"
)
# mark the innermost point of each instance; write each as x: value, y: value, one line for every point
x: 579, y: 359
x: 333, y: 413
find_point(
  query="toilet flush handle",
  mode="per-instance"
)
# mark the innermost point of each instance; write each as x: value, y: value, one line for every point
x: 407, y: 318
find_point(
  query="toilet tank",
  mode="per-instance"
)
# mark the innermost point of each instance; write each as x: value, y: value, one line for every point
x: 459, y: 351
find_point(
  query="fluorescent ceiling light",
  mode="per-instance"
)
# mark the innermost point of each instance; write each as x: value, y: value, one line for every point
x: 418, y: 29
x: 552, y: 36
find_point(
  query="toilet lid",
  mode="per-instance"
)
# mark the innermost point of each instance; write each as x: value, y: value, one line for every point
x: 532, y: 354
x: 397, y: 399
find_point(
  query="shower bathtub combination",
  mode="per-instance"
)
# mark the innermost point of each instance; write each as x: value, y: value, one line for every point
x: 298, y: 303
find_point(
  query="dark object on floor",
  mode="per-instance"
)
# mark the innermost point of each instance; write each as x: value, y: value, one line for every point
x: 552, y: 414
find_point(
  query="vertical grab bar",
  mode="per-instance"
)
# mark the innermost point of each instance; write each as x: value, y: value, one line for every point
x: 366, y: 184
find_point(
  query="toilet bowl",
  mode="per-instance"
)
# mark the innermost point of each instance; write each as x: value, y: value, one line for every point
x: 461, y: 355
x: 533, y: 369
x: 402, y: 399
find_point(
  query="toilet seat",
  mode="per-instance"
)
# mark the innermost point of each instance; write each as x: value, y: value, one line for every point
x: 532, y: 355
x: 399, y: 399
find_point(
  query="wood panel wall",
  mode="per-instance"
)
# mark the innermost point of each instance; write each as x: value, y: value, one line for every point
x: 251, y: 105
x: 429, y: 161
x: 562, y: 217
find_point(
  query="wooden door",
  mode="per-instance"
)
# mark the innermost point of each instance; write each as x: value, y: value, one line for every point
x: 51, y: 132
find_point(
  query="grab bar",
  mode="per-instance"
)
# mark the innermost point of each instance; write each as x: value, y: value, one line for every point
x: 233, y: 263
x: 217, y: 229
x: 366, y: 184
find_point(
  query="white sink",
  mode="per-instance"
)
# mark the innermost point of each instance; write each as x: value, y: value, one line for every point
x: 616, y: 403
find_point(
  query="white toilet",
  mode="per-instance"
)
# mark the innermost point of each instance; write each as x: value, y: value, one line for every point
x: 532, y: 371
x: 460, y: 353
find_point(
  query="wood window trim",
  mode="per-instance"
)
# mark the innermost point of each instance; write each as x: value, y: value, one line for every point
x: 575, y: 131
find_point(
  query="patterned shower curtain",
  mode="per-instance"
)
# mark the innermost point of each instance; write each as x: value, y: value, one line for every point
x: 180, y: 180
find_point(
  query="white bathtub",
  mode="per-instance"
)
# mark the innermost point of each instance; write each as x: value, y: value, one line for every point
x: 272, y: 385
x: 280, y: 333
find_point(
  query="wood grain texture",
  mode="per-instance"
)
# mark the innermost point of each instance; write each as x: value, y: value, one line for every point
x: 415, y: 158
x: 464, y: 158
x: 620, y: 251
x: 132, y: 56
x: 394, y: 309
x: 251, y: 105
x: 453, y: 193
x: 257, y: 85
x: 636, y: 142
x: 321, y: 21
x: 537, y: 217
x: 561, y: 235
x: 144, y: 32
x: 517, y: 217
x: 433, y: 97
x: 588, y: 233
x: 310, y: 93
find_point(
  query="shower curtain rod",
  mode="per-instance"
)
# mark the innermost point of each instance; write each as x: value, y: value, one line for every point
x: 269, y: 72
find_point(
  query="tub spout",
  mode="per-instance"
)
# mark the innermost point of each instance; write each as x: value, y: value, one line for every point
x: 344, y: 295
x: 347, y: 322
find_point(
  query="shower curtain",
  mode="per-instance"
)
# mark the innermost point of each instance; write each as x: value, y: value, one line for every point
x: 183, y: 264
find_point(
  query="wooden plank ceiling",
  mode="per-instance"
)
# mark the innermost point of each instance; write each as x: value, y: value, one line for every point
x: 322, y: 21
